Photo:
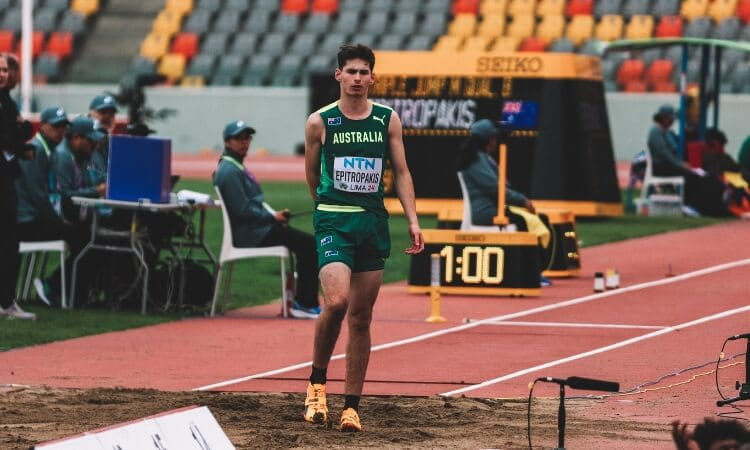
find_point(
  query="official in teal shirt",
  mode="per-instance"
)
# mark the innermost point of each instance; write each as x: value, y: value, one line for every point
x: 103, y: 109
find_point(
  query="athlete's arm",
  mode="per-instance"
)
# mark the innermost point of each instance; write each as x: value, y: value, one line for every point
x: 314, y: 131
x: 404, y: 184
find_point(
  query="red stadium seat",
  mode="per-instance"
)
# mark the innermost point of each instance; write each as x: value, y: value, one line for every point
x: 579, y: 7
x: 669, y: 26
x: 533, y: 44
x: 659, y: 71
x: 37, y: 44
x: 465, y: 6
x: 60, y: 44
x: 636, y: 86
x: 185, y: 44
x: 630, y: 70
x: 294, y: 6
x: 743, y: 10
x: 664, y: 86
x: 7, y: 38
x: 324, y: 6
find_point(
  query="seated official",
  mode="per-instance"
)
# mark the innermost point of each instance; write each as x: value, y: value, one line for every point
x: 480, y: 176
x: 743, y: 159
x: 254, y: 226
x: 103, y: 109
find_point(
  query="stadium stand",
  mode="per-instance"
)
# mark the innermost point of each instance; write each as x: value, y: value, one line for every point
x: 551, y: 28
x: 640, y: 27
x: 550, y: 7
x: 609, y: 27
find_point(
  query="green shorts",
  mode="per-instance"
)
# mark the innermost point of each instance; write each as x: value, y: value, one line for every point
x: 360, y: 240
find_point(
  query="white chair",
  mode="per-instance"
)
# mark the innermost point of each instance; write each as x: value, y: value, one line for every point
x: 230, y: 253
x: 652, y: 191
x: 32, y: 248
x: 466, y: 223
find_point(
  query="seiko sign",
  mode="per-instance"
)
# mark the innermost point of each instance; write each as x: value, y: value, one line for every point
x: 510, y: 64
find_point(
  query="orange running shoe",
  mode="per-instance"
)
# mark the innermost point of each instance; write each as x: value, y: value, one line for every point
x: 350, y: 420
x: 316, y: 410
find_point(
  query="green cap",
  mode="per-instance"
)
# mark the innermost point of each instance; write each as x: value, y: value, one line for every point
x: 484, y: 128
x: 54, y: 116
x: 86, y: 126
x: 102, y: 102
x: 234, y: 128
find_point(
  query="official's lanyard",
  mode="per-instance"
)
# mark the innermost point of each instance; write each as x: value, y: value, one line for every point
x: 48, y: 152
x: 79, y: 172
x: 240, y: 166
x: 44, y: 144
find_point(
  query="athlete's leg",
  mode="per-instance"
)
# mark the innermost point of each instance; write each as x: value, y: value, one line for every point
x: 363, y: 293
x: 334, y: 279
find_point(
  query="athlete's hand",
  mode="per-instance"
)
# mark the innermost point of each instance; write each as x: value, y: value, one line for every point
x: 417, y: 240
x: 282, y: 216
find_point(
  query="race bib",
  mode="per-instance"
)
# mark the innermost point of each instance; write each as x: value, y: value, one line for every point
x: 357, y: 174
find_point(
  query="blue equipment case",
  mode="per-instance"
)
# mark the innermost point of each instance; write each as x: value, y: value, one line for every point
x: 139, y: 169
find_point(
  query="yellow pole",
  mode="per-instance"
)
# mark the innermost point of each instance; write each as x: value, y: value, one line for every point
x: 500, y: 218
x: 435, y: 316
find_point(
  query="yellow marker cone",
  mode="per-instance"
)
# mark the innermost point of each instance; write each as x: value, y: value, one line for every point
x: 435, y: 316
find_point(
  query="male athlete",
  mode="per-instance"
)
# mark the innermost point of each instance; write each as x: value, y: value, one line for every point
x: 347, y: 145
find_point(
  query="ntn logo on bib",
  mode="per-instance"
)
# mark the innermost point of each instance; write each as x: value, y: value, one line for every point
x: 357, y: 173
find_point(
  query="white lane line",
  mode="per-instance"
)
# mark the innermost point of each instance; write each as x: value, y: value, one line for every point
x: 466, y: 326
x: 574, y: 325
x: 606, y: 348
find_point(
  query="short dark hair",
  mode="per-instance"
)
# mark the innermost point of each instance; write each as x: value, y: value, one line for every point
x: 356, y: 51
x: 711, y: 431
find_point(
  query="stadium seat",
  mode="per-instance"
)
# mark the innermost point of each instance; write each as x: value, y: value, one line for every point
x: 172, y: 65
x: 185, y: 44
x: 194, y: 81
x: 57, y: 5
x: 719, y: 10
x: 698, y: 28
x: 12, y: 21
x: 448, y: 43
x: 650, y: 55
x: 606, y: 7
x: 381, y: 6
x: 745, y: 33
x: 579, y: 7
x: 273, y: 44
x: 181, y: 7
x: 258, y: 22
x: 492, y: 7
x: 390, y: 42
x: 639, y: 27
x: 743, y: 10
x: 660, y: 70
x: 731, y: 56
x: 692, y: 9
x: 346, y: 23
x: 521, y: 27
x: 167, y: 22
x: 227, y: 22
x: 286, y: 23
x: 356, y: 6
x: 591, y: 47
x: 609, y: 68
x: 505, y: 44
x: 215, y: 43
x: 7, y: 39
x: 331, y: 43
x: 669, y: 26
x: 142, y: 66
x: 317, y: 23
x: 243, y: 6
x: 630, y: 70
x: 257, y: 70
x: 551, y: 28
x: 287, y: 71
x: 492, y: 25
x: 85, y: 7
x: 436, y: 6
x: 404, y: 24
x: 47, y: 68
x: 202, y: 65
x: 198, y: 22
x: 262, y: 5
x: 580, y: 28
x: 741, y: 79
x: 294, y: 6
x: 60, y: 43
x: 562, y: 45
x: 463, y: 25
x: 550, y: 7
x: 212, y: 6
x: 636, y: 86
x: 154, y: 46
x: 73, y: 22
x: 521, y: 8
x: 419, y: 42
x: 433, y: 24
x: 475, y: 44
x: 635, y: 8
x: 533, y: 44
x: 244, y: 43
x: 727, y: 29
x: 324, y: 6
x: 303, y: 44
x: 663, y: 8
x: 609, y: 28
x: 464, y: 7
x: 229, y: 68
x: 45, y: 20
x: 37, y: 44
x: 367, y: 39
x: 407, y: 6
x: 664, y: 86
x: 318, y: 63
x: 375, y: 23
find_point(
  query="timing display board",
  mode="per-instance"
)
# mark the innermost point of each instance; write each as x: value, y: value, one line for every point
x: 559, y: 146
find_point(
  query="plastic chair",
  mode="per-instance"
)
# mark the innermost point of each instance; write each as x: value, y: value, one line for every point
x: 230, y: 254
x: 562, y: 45
x: 215, y: 43
x: 303, y: 44
x: 391, y: 42
x: 609, y: 28
x: 659, y: 70
x: 551, y: 27
x: 606, y: 7
x: 202, y: 65
x: 258, y: 22
x: 465, y: 6
x: 669, y: 26
x: 630, y: 70
x: 32, y: 249
x: 71, y: 21
x: 294, y: 6
x: 199, y: 22
x: 142, y: 66
x: 7, y: 39
x: 185, y: 44
x: 286, y: 23
x: 346, y: 23
x: 722, y: 9
x: 635, y: 8
x: 324, y: 6
x: 404, y: 24
x: 375, y: 23
x: 351, y: 5
x: 651, y: 191
x: 317, y: 23
x: 579, y: 7
x: 45, y: 20
x: 580, y: 28
x: 743, y: 10
x: 505, y: 44
x: 492, y: 26
x: 699, y: 28
x: 727, y: 29
x: 663, y: 8
x: 172, y: 65
x: 550, y: 7
x: 639, y: 27
x: 448, y: 44
x: 533, y: 44
x: 463, y: 25
x: 85, y: 7
x: 475, y: 44
x: 167, y: 22
x: 492, y: 7
x: 273, y: 44
x: 466, y: 223
x: 419, y: 42
x: 521, y: 8
x: 384, y: 6
x: 227, y: 22
x: 154, y: 46
x: 181, y: 7
x: 433, y: 25
x: 692, y: 9
x: 61, y: 44
x: 521, y: 27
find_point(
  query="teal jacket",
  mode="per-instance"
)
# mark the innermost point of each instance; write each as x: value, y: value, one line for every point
x: 662, y: 145
x: 37, y: 181
x: 243, y: 200
x: 482, y: 185
x: 76, y: 177
x: 99, y: 161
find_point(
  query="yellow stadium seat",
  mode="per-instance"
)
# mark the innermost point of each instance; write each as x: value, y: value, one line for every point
x: 580, y: 28
x: 155, y: 45
x: 521, y: 8
x: 492, y: 7
x: 640, y: 27
x: 609, y: 28
x: 476, y: 44
x: 521, y: 27
x: 692, y: 9
x: 721, y: 9
x: 505, y: 44
x: 85, y: 7
x: 492, y: 26
x: 172, y: 65
x: 463, y: 25
x: 167, y: 22
x: 447, y: 43
x: 179, y: 6
x: 550, y: 7
x: 551, y: 28
x: 192, y: 81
